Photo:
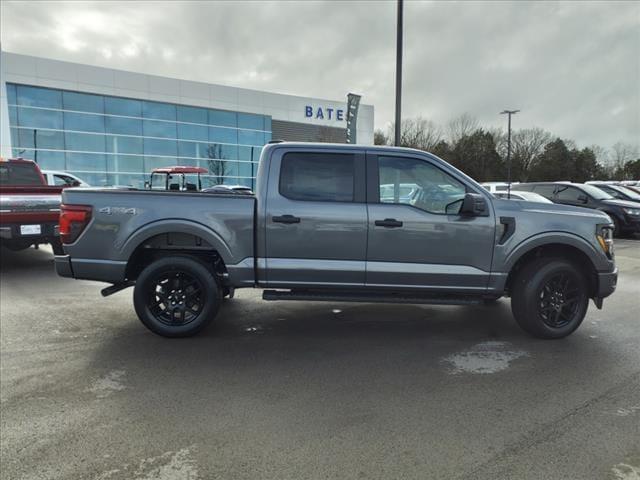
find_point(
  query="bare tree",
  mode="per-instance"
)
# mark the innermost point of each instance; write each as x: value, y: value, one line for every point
x: 526, y: 146
x: 601, y: 153
x: 499, y: 139
x: 621, y: 153
x: 418, y: 133
x: 604, y: 160
x: 460, y: 127
x: 216, y: 163
x: 380, y: 138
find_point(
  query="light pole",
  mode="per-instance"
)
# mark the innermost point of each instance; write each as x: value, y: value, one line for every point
x: 509, y: 113
x: 398, y: 74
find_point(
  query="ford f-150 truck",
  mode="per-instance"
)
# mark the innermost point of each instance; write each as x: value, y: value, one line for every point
x: 29, y: 208
x: 340, y: 223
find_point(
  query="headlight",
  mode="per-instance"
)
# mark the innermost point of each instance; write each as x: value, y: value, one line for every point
x: 632, y: 211
x: 604, y: 234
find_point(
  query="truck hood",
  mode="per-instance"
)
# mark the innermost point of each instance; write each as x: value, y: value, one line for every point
x: 555, y: 209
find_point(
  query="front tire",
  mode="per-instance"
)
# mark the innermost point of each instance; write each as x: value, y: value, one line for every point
x: 176, y: 296
x: 550, y: 297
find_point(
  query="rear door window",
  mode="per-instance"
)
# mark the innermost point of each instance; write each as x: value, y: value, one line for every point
x: 545, y: 190
x: 19, y: 174
x: 62, y: 180
x: 568, y: 194
x: 318, y: 177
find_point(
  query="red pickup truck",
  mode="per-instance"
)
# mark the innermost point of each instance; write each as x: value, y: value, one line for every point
x: 29, y: 208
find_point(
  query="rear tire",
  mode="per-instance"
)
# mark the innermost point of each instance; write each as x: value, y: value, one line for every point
x: 550, y: 297
x: 176, y: 296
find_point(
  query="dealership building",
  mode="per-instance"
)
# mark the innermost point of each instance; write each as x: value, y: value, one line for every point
x: 112, y: 127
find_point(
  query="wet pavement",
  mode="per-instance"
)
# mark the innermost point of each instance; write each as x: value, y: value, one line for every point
x: 295, y: 390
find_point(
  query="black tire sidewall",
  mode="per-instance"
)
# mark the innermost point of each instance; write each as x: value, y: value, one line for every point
x: 211, y: 294
x: 525, y: 297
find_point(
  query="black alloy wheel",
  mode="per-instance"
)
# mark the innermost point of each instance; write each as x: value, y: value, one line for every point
x: 176, y: 296
x: 559, y: 300
x: 550, y: 297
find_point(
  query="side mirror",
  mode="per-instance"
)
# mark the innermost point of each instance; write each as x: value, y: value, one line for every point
x: 147, y: 185
x: 474, y: 205
x: 582, y: 198
x: 75, y: 183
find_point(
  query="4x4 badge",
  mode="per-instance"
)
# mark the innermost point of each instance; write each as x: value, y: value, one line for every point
x: 122, y: 210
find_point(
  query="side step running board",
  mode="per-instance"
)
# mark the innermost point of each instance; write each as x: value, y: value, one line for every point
x: 116, y: 287
x: 377, y: 297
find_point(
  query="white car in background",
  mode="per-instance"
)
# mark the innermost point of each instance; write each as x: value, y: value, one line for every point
x: 526, y: 196
x: 494, y: 187
x: 55, y: 177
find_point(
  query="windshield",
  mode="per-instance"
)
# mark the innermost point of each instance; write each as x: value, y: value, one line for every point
x: 627, y: 192
x: 595, y: 192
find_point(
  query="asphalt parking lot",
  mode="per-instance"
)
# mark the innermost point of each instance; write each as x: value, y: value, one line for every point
x: 312, y: 390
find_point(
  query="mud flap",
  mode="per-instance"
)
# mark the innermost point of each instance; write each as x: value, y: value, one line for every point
x: 598, y: 301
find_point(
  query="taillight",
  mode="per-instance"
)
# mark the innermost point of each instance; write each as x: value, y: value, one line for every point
x: 73, y: 220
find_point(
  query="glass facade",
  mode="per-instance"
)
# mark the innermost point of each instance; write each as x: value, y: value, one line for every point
x: 118, y: 141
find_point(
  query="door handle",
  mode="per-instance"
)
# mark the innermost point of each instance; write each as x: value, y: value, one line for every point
x: 286, y: 219
x: 388, y: 223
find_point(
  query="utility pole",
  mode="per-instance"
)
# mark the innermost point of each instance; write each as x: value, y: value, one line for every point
x: 509, y: 113
x: 398, y: 74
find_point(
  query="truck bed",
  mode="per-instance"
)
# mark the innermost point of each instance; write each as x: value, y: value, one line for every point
x: 123, y: 220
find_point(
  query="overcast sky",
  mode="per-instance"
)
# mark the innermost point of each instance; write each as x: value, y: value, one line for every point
x: 572, y: 67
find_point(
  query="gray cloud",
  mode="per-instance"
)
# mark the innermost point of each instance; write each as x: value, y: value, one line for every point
x: 571, y: 67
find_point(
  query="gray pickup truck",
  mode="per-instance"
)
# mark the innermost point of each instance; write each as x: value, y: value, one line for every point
x: 340, y: 223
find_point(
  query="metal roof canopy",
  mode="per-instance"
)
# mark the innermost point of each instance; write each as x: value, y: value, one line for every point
x: 179, y: 170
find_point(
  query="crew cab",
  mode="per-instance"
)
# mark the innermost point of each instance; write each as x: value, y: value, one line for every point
x: 624, y: 214
x: 319, y: 229
x: 29, y: 208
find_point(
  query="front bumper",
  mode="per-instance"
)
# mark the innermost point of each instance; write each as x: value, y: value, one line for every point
x: 631, y: 224
x: 607, y: 282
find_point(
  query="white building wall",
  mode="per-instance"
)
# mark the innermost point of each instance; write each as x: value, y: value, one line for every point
x: 44, y: 72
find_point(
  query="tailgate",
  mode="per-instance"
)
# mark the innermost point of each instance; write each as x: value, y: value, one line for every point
x: 27, y: 205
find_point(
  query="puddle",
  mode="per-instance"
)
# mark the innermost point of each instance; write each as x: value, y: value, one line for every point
x: 484, y: 358
x: 110, y: 383
x: 168, y: 466
x: 623, y: 471
x: 625, y: 412
x: 256, y: 329
x: 178, y: 465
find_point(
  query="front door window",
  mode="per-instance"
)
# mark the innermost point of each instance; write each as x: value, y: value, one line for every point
x: 417, y: 183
